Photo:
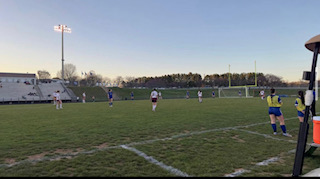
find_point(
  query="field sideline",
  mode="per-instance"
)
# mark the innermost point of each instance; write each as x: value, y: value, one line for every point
x: 219, y: 137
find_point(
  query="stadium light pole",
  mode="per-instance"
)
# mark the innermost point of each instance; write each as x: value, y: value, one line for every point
x: 313, y: 45
x: 62, y: 28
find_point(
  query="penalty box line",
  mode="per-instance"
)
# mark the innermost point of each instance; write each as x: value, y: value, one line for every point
x: 156, y: 162
x: 70, y: 155
x: 265, y: 162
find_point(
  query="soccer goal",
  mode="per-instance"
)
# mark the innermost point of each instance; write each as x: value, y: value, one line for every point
x: 238, y: 91
x: 235, y: 92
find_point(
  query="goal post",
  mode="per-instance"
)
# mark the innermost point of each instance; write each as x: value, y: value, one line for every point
x: 238, y: 91
x: 235, y: 92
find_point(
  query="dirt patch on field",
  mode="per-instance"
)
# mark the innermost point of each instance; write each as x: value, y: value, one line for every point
x: 37, y: 156
x: 236, y: 137
x: 68, y: 151
x: 104, y: 145
x: 9, y: 160
x: 58, y: 151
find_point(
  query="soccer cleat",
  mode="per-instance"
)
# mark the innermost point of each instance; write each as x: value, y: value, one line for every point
x: 287, y: 135
x: 275, y: 133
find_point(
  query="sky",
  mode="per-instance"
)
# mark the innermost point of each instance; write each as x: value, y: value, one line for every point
x: 136, y: 38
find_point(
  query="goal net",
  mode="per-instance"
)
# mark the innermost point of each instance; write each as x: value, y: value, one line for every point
x: 235, y: 92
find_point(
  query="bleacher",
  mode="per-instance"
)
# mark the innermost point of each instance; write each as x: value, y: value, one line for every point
x: 13, y: 92
x: 18, y: 92
x: 47, y: 90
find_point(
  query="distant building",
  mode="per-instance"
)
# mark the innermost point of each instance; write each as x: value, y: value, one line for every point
x: 27, y: 78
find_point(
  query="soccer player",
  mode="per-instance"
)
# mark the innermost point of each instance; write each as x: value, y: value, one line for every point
x: 54, y: 97
x: 262, y: 95
x: 58, y: 99
x: 188, y: 95
x: 200, y: 96
x: 159, y: 94
x: 84, y: 97
x: 300, y: 106
x: 110, y: 97
x: 154, y: 98
x: 132, y: 95
x: 274, y: 103
x: 213, y: 94
x: 239, y: 93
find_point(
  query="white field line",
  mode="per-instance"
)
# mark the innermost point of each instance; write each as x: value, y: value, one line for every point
x: 263, y: 163
x: 267, y: 136
x: 70, y: 155
x: 156, y: 162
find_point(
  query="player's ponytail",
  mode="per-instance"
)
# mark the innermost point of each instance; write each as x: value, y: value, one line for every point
x: 300, y: 93
x: 272, y: 90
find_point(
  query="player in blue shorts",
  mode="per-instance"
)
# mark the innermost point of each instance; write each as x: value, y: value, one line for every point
x: 300, y: 106
x: 213, y: 94
x: 110, y: 97
x: 132, y: 95
x: 188, y: 95
x: 274, y: 103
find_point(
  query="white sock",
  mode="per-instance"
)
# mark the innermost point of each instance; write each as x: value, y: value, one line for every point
x: 57, y: 106
x: 60, y: 105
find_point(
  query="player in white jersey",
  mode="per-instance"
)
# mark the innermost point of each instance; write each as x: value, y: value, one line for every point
x: 159, y: 94
x: 262, y: 95
x: 84, y: 97
x: 54, y: 97
x: 59, y: 102
x: 154, y: 98
x: 200, y: 96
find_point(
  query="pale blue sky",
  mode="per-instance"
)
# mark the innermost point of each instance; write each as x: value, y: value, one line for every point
x: 158, y: 37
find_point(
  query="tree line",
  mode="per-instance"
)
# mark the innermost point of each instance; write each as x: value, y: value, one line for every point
x: 178, y: 80
x: 214, y: 80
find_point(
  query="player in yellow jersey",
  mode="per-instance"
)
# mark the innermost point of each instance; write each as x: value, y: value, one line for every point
x: 300, y: 106
x: 274, y: 103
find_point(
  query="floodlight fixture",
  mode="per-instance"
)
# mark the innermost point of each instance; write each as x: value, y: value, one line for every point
x: 62, y: 29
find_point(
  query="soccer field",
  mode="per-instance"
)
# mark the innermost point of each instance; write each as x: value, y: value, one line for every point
x: 216, y: 138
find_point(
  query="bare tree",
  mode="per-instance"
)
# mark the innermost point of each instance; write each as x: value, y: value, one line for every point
x: 118, y: 80
x: 129, y: 78
x: 106, y: 80
x: 70, y: 72
x: 274, y: 80
x: 91, y: 79
x: 43, y: 74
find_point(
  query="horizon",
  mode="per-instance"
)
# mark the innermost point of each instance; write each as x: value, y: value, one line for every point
x: 156, y: 38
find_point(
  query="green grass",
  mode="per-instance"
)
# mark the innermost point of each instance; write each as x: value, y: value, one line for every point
x: 166, y: 93
x: 97, y: 92
x: 144, y: 94
x: 187, y: 135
